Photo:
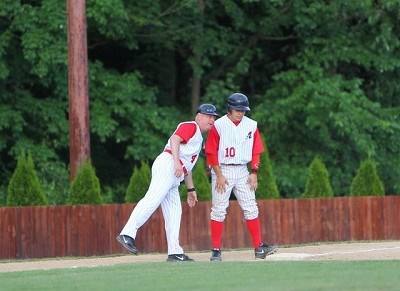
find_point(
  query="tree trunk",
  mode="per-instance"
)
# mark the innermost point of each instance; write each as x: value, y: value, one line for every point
x: 79, y: 128
x: 196, y: 80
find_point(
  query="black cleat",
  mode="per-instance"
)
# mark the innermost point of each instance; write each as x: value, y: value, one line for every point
x: 128, y: 243
x: 215, y: 255
x: 264, y: 250
x: 179, y: 258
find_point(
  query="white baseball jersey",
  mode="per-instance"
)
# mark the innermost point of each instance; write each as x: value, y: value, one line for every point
x: 189, y: 152
x: 236, y: 142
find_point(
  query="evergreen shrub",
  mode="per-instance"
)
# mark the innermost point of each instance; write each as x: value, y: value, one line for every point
x: 139, y: 183
x: 318, y: 184
x: 367, y: 182
x: 85, y: 188
x: 24, y: 188
x: 267, y: 187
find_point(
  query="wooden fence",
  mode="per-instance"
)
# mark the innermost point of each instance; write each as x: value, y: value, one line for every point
x: 90, y: 230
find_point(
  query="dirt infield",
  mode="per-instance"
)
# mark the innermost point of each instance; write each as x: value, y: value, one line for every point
x: 386, y: 250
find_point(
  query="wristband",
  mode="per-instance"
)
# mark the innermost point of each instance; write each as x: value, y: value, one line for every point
x: 254, y: 171
x: 191, y: 190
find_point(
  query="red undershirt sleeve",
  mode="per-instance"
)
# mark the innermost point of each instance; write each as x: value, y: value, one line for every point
x: 258, y: 148
x: 186, y: 131
x: 211, y: 147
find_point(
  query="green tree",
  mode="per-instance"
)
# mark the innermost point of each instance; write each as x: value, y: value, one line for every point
x: 33, y: 82
x: 267, y: 187
x: 321, y: 102
x: 24, y: 188
x: 322, y: 79
x: 367, y: 182
x: 85, y: 188
x: 318, y: 184
x: 139, y: 183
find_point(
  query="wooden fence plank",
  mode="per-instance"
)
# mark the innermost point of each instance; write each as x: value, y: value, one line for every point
x: 99, y: 213
x: 304, y: 220
x: 39, y: 240
x: 355, y: 216
x: 63, y: 230
x: 27, y: 230
x: 377, y: 222
x: 287, y: 218
x: 327, y: 216
x: 367, y: 227
x: 113, y: 225
x: 391, y: 212
x: 297, y: 216
x: 76, y: 222
x: 235, y: 230
x: 341, y: 219
x: 8, y: 229
x: 269, y: 220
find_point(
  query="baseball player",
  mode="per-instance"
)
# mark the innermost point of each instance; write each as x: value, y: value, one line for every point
x: 169, y: 169
x: 232, y: 143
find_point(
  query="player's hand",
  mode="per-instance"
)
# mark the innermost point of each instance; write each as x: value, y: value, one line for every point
x: 252, y: 180
x: 192, y: 198
x: 221, y: 183
x: 178, y: 170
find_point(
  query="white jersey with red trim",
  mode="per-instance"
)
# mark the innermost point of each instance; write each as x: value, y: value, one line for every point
x: 236, y: 141
x: 189, y: 152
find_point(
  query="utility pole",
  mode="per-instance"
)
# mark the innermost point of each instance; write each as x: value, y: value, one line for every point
x: 79, y: 127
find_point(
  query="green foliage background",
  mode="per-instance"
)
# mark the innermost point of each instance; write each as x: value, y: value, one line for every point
x: 322, y: 79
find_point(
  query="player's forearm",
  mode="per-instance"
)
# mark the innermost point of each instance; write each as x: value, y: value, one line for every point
x: 175, y: 143
x: 255, y: 161
x: 189, y: 181
x: 212, y: 161
x: 217, y: 170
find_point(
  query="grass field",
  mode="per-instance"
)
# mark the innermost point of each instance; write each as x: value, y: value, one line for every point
x: 257, y: 275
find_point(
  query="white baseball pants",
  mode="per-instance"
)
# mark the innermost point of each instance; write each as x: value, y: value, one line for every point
x: 237, y: 176
x: 163, y: 190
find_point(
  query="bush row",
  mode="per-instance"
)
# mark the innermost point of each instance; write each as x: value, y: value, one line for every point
x: 24, y: 187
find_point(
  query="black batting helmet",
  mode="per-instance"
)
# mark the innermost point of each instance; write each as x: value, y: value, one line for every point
x: 207, y: 109
x: 238, y: 101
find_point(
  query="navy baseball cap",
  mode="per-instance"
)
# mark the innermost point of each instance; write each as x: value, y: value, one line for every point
x: 207, y: 109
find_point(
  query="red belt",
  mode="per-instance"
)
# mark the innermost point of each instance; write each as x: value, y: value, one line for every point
x: 232, y: 164
x: 185, y: 172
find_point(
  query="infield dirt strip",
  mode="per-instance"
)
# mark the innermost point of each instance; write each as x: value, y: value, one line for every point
x: 386, y: 250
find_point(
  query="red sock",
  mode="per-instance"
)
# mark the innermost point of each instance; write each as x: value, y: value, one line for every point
x: 254, y: 228
x: 216, y: 233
